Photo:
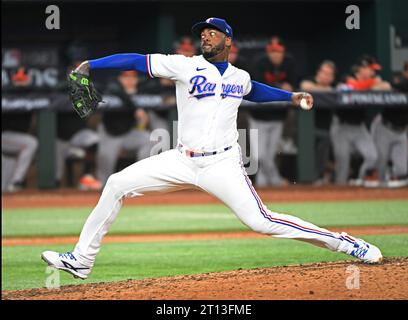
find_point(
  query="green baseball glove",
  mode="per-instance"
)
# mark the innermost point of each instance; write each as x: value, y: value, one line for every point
x: 83, y: 95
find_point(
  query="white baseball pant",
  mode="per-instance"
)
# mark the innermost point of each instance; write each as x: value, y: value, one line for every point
x: 221, y: 175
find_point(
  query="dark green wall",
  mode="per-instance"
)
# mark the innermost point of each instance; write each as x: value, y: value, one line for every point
x: 399, y: 13
x: 316, y: 26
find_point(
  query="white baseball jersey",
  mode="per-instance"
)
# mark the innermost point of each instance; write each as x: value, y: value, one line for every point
x: 207, y: 101
x: 207, y: 105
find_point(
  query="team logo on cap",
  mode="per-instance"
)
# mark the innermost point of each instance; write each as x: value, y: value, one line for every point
x: 209, y: 20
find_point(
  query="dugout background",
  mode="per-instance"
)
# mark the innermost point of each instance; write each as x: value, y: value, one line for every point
x: 313, y: 31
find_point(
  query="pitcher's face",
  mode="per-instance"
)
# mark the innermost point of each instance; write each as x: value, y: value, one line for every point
x: 213, y: 42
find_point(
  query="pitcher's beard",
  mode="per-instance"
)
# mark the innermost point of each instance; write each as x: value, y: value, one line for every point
x: 210, y: 54
x: 214, y: 51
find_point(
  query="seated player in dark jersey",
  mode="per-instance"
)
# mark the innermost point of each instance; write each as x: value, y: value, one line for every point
x: 275, y: 68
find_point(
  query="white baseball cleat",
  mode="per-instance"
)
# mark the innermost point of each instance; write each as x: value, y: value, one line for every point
x: 366, y: 252
x: 66, y: 262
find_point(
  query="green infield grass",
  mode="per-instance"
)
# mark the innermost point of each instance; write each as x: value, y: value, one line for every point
x: 22, y: 267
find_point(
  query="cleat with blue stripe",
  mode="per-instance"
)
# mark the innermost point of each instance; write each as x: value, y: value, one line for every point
x: 66, y: 262
x: 366, y: 252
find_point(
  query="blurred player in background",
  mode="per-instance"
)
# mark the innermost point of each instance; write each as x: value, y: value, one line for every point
x: 18, y: 148
x: 364, y: 76
x: 349, y: 133
x: 236, y: 58
x: 322, y: 81
x: 276, y: 69
x: 76, y: 140
x: 124, y: 129
x: 18, y: 144
x: 400, y: 81
x: 185, y: 46
x: 389, y: 131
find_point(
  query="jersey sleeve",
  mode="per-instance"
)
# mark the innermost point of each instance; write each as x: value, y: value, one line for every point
x: 166, y: 66
x: 247, y: 84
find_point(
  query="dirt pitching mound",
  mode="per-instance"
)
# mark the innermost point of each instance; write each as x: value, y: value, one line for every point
x: 334, y: 281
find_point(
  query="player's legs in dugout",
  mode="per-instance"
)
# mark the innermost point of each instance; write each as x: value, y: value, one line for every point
x: 365, y: 145
x: 227, y: 180
x: 399, y: 154
x: 168, y: 171
x: 24, y: 146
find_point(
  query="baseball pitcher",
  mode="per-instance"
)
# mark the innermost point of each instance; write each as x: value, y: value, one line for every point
x: 209, y: 91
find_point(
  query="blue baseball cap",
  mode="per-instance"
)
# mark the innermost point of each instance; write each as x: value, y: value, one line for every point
x: 216, y: 23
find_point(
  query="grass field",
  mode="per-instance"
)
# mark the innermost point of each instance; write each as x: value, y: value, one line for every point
x: 193, y: 218
x: 22, y: 267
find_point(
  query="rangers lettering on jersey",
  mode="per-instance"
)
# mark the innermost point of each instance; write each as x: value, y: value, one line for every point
x: 202, y: 87
x: 232, y: 90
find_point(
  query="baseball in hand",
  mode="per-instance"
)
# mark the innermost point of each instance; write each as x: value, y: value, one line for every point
x: 304, y: 105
